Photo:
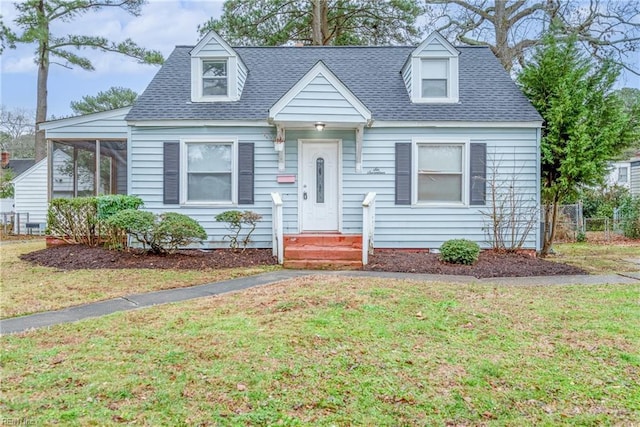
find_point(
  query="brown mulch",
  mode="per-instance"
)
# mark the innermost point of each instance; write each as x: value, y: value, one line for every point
x: 490, y: 264
x: 76, y: 257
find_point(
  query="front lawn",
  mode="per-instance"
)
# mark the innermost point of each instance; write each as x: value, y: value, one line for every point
x: 341, y: 351
x: 28, y: 288
x: 598, y: 258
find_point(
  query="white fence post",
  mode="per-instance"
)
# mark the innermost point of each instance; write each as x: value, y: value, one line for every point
x: 368, y: 225
x: 277, y: 227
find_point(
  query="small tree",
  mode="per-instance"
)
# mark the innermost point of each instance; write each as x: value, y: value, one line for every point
x: 114, y: 97
x: 236, y: 220
x: 511, y: 214
x: 585, y: 123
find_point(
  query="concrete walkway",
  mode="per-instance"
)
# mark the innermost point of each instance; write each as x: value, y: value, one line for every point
x: 136, y: 301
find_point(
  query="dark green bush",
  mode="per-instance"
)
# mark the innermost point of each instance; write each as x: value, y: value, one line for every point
x: 74, y: 220
x: 158, y: 233
x: 236, y: 220
x: 175, y: 230
x: 111, y: 204
x: 138, y: 224
x: 630, y: 217
x: 459, y: 251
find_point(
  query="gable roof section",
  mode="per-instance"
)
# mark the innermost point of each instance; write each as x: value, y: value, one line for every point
x: 372, y: 75
x: 320, y: 96
x: 435, y: 45
x: 18, y: 166
x: 32, y: 168
x: 212, y: 40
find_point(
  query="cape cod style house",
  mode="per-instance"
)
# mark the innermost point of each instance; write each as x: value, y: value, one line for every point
x: 336, y: 147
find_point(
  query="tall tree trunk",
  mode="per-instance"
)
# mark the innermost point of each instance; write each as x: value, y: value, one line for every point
x: 550, y: 222
x: 43, y: 74
x: 501, y: 26
x: 316, y: 23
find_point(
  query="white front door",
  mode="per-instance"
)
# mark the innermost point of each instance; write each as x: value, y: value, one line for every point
x: 319, y: 171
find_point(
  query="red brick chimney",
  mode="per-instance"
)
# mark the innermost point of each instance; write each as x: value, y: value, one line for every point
x: 4, y: 161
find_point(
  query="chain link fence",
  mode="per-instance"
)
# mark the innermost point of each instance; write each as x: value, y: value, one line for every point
x: 571, y: 223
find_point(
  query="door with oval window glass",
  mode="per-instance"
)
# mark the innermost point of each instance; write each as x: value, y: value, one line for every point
x: 319, y: 185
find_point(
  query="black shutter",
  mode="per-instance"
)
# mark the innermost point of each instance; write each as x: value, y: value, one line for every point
x: 171, y: 158
x: 403, y: 173
x: 478, y: 173
x: 245, y: 173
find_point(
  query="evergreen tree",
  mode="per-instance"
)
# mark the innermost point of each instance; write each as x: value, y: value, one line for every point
x: 585, y: 123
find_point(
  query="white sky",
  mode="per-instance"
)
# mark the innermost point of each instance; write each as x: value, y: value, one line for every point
x: 162, y: 25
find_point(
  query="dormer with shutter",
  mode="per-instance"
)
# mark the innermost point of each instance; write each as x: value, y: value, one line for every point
x: 217, y: 72
x: 431, y: 72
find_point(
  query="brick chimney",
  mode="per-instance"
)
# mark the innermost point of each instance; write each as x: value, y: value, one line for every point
x: 4, y: 160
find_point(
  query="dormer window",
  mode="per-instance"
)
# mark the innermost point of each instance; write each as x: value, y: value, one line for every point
x: 435, y: 78
x: 431, y: 72
x: 214, y: 78
x: 217, y: 72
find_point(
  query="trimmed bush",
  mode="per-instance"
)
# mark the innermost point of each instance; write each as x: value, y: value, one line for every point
x: 158, y: 233
x: 74, y: 220
x: 109, y: 205
x: 138, y: 224
x: 175, y: 230
x: 459, y: 251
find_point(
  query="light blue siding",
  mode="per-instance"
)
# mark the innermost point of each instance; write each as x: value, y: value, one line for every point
x: 213, y: 49
x: 242, y: 76
x: 436, y: 47
x: 512, y: 152
x: 634, y: 183
x: 320, y: 101
x: 406, y: 76
x: 147, y: 176
x: 98, y: 126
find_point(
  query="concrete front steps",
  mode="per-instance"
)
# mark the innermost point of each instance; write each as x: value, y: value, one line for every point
x: 323, y: 251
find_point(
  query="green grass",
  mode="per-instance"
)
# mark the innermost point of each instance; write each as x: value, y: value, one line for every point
x: 337, y: 351
x: 598, y: 259
x: 28, y: 288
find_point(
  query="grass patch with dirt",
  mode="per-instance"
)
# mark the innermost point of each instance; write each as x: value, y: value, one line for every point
x: 341, y: 351
x: 27, y: 288
x: 598, y: 258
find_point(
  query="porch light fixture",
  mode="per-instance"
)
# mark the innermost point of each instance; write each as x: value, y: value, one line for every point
x: 319, y: 126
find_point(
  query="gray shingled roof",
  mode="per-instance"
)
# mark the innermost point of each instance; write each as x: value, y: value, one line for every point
x: 487, y: 93
x: 18, y: 166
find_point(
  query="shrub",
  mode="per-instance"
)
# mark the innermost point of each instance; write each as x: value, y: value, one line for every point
x: 74, y: 220
x: 138, y: 224
x: 109, y: 205
x: 175, y: 230
x: 581, y: 237
x: 235, y: 221
x: 158, y: 233
x: 630, y: 217
x: 459, y: 251
x: 112, y: 204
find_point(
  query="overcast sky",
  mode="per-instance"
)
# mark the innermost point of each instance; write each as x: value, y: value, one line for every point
x: 162, y: 25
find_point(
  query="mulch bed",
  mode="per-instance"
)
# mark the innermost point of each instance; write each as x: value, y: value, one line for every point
x: 490, y: 264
